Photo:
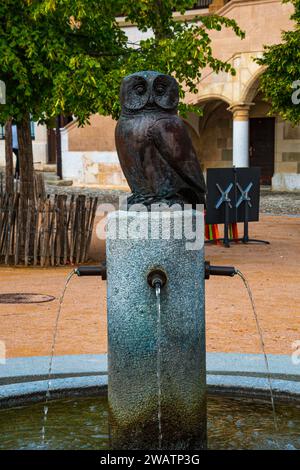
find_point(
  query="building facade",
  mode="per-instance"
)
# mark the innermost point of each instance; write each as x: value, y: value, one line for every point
x: 235, y: 128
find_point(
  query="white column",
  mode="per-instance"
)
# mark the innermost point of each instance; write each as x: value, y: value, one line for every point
x: 240, y: 135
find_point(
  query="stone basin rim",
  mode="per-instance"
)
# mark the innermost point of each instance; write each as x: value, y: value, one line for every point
x: 24, y: 380
x: 90, y: 391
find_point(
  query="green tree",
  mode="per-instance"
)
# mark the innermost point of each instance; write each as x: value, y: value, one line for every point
x: 69, y: 57
x: 177, y: 47
x: 280, y: 80
x: 49, y: 68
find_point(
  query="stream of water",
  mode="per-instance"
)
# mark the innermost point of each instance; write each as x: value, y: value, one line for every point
x: 262, y: 343
x: 158, y: 305
x: 45, y: 415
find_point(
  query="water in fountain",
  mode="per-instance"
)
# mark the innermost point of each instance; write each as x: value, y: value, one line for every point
x: 158, y: 305
x: 233, y: 423
x: 260, y: 333
x: 45, y: 416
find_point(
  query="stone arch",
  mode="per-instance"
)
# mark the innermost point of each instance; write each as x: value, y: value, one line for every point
x: 252, y: 85
x: 212, y: 133
x: 210, y: 107
x: 204, y: 98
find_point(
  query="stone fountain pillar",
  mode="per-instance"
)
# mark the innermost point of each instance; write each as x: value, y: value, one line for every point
x: 135, y: 245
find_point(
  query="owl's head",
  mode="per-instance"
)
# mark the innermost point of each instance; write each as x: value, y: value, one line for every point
x: 149, y: 91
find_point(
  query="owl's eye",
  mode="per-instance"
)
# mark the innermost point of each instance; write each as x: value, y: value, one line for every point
x: 160, y: 90
x: 139, y: 89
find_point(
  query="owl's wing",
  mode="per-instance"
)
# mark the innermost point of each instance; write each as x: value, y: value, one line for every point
x: 173, y: 142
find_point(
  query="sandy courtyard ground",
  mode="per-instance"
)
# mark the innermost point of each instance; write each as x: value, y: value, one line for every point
x: 273, y: 272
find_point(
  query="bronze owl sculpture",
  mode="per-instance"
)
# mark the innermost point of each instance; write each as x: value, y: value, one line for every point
x: 155, y: 151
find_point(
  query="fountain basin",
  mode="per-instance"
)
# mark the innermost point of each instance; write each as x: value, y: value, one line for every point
x: 239, y: 408
x: 25, y: 379
x: 233, y: 423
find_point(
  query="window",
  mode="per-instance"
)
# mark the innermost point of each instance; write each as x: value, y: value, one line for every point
x: 32, y: 131
x: 201, y: 4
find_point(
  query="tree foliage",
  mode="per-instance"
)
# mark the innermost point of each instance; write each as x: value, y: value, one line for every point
x: 69, y: 56
x: 49, y: 66
x: 180, y: 48
x: 281, y: 78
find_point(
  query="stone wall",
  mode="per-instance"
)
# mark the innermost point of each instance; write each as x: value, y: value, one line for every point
x: 287, y: 156
x: 89, y: 155
x: 98, y: 136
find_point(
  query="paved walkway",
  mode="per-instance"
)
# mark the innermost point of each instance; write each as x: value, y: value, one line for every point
x: 273, y: 272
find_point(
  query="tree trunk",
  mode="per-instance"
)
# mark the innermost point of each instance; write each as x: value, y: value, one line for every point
x: 26, y: 159
x: 9, y: 167
x: 26, y: 186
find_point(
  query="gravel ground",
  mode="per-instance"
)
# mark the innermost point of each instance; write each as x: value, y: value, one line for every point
x: 271, y: 202
x: 279, y: 203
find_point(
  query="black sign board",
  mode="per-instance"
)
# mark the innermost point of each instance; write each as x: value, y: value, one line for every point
x: 231, y: 186
x: 233, y: 196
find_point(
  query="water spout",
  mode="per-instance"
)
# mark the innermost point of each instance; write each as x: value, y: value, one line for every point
x: 99, y: 270
x: 210, y: 270
x: 157, y: 277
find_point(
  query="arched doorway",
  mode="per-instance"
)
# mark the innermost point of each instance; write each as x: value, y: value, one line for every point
x: 212, y: 133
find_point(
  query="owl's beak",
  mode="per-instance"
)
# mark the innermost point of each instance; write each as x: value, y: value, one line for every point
x: 151, y: 99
